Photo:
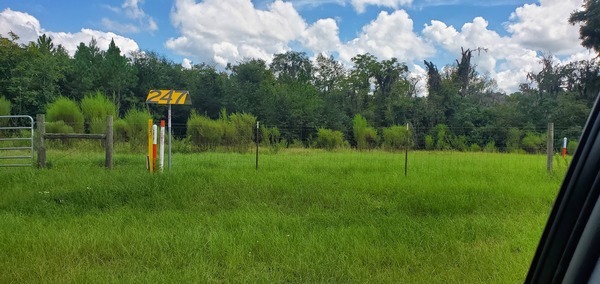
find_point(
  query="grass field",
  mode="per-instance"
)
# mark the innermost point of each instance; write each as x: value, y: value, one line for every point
x: 306, y: 216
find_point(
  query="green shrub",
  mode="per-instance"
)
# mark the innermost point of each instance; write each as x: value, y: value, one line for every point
x: 66, y: 110
x: 571, y: 147
x: 137, y: 128
x: 359, y: 126
x: 58, y: 127
x: 229, y: 136
x: 269, y: 136
x: 475, y: 148
x: 460, y: 143
x: 513, y: 139
x: 120, y: 130
x: 365, y: 136
x: 203, y: 132
x: 533, y: 143
x: 490, y: 147
x: 329, y: 139
x: 296, y: 144
x: 96, y: 106
x: 372, y: 138
x: 395, y: 137
x: 181, y: 146
x: 4, y: 110
x: 244, y: 127
x: 429, y: 142
x: 98, y: 125
x: 235, y: 131
x: 441, y: 137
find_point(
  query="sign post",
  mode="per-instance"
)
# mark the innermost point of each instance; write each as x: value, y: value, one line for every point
x: 406, y: 150
x: 169, y: 97
x: 161, y: 159
x: 170, y: 135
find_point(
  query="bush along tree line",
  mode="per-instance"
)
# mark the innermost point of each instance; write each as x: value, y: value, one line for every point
x: 319, y: 103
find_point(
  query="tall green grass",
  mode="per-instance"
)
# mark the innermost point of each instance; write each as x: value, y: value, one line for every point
x: 95, y: 107
x: 305, y: 216
x: 5, y: 107
x: 66, y: 110
x: 136, y: 128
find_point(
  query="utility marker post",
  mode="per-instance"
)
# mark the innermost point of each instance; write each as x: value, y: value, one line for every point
x: 406, y: 150
x: 161, y: 159
x: 169, y: 97
x: 564, y: 148
x: 170, y: 135
x: 256, y: 145
x: 550, y: 147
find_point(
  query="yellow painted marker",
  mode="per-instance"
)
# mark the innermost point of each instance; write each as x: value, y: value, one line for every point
x: 150, y: 140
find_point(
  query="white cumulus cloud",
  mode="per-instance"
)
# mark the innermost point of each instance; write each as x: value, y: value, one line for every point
x: 228, y: 31
x: 389, y: 35
x: 116, y: 26
x: 545, y: 26
x: 133, y: 11
x: 360, y: 5
x: 186, y: 63
x: 503, y: 59
x: 533, y: 30
x: 322, y: 36
x: 225, y: 32
x: 28, y: 28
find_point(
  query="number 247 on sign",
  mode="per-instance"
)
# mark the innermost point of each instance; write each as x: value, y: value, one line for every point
x: 165, y: 97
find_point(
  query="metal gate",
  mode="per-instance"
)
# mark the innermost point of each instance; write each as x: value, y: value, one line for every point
x: 14, y: 148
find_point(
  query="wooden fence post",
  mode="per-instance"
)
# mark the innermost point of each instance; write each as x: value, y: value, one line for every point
x: 550, y: 147
x: 109, y: 142
x: 41, y: 148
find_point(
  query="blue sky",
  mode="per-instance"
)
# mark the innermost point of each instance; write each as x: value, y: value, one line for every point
x: 218, y: 32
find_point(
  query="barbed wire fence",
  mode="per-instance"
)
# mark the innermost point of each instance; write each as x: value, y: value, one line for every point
x: 424, y: 142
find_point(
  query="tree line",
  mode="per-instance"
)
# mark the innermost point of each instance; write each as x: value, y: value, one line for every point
x: 299, y: 97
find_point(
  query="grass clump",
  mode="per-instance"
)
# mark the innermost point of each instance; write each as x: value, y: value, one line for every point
x: 137, y: 128
x: 365, y: 136
x: 203, y: 132
x: 234, y: 131
x: 66, y: 110
x: 329, y: 139
x: 395, y: 137
x: 4, y: 110
x: 95, y: 107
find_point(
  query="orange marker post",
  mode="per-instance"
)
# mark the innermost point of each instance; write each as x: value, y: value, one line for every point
x: 564, y: 148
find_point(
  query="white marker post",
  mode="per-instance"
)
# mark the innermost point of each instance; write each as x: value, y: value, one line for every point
x: 155, y: 134
x: 170, y: 134
x: 161, y: 155
x: 154, y: 145
x: 564, y: 148
x: 257, y: 128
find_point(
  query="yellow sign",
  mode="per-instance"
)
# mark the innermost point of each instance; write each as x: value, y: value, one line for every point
x: 166, y: 97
